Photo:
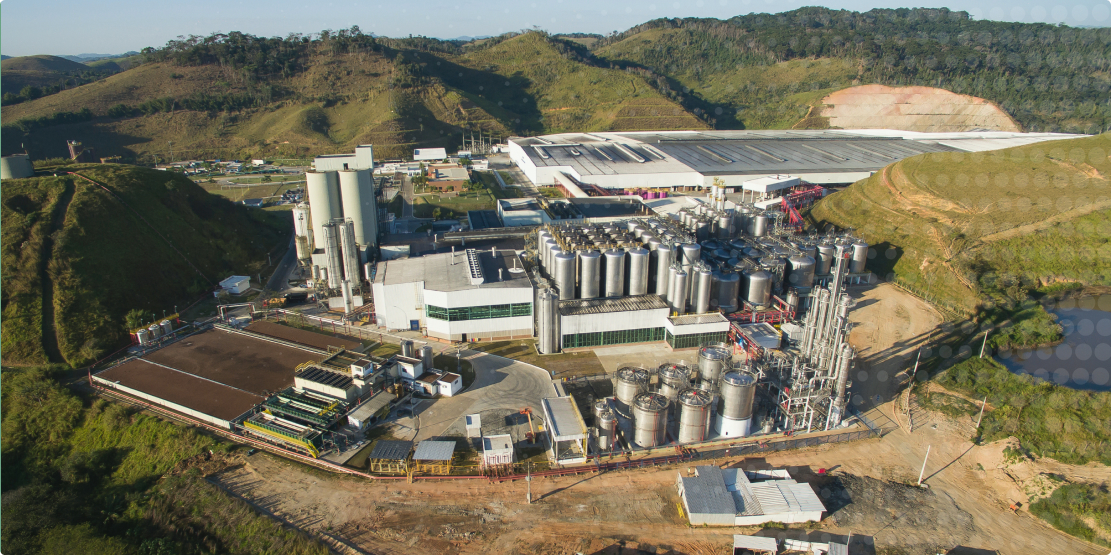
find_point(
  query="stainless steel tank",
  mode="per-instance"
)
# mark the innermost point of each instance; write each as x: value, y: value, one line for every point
x: 759, y: 225
x: 678, y: 292
x: 607, y: 430
x: 725, y: 226
x: 758, y: 287
x: 650, y: 419
x: 702, y: 229
x: 638, y: 271
x: 792, y: 299
x: 738, y: 393
x: 600, y: 406
x: 426, y: 358
x: 549, y: 250
x: 629, y: 382
x: 700, y: 289
x: 695, y: 409
x: 860, y: 257
x: 689, y: 253
x: 564, y: 274
x: 713, y: 360
x: 590, y: 268
x: 826, y: 252
x: 800, y: 271
x: 673, y: 379
x: 664, y: 256
x: 547, y: 328
x: 407, y: 348
x: 728, y: 291
x: 615, y: 273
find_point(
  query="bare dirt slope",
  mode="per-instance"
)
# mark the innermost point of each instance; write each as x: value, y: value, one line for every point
x: 912, y: 109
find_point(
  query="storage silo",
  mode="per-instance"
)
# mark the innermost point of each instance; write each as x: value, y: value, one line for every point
x: 674, y: 378
x: 407, y: 348
x: 826, y: 252
x: 725, y: 226
x: 324, y: 202
x: 330, y: 233
x: 700, y: 288
x: 607, y: 430
x: 650, y: 419
x: 728, y: 291
x: 758, y: 287
x: 356, y: 189
x: 302, y: 230
x: 167, y: 327
x: 695, y: 409
x: 590, y: 263
x: 758, y: 225
x: 143, y: 336
x: 800, y: 271
x: 155, y: 331
x: 860, y: 257
x: 615, y: 273
x: 713, y: 360
x: 427, y: 358
x: 677, y: 297
x: 547, y: 325
x: 350, y: 254
x: 664, y: 256
x: 629, y: 382
x: 548, y: 251
x: 563, y: 273
x: 600, y: 406
x: 638, y: 271
x: 738, y: 395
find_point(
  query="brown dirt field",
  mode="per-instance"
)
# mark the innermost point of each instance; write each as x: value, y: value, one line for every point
x: 912, y: 109
x: 237, y: 360
x: 303, y: 337
x: 183, y: 389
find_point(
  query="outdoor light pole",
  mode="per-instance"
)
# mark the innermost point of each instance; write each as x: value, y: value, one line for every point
x: 982, y: 405
x: 985, y: 345
x: 924, y: 459
x: 528, y: 480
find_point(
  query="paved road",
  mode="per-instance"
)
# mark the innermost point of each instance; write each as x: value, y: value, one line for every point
x: 279, y: 280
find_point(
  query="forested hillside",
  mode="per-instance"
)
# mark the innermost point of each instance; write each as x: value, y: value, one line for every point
x: 765, y: 70
x: 26, y: 78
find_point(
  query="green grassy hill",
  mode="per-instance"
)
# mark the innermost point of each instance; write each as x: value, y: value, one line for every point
x: 41, y: 63
x: 972, y: 228
x: 46, y: 73
x: 77, y: 256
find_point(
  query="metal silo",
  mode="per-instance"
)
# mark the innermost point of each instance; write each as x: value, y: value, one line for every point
x: 590, y: 263
x: 142, y: 336
x: 826, y: 252
x: 638, y: 271
x: 324, y: 201
x: 330, y: 234
x: 563, y: 272
x: 860, y: 257
x: 700, y: 288
x: 356, y: 188
x: 650, y: 419
x: 350, y: 253
x: 713, y: 360
x: 547, y: 329
x: 407, y: 348
x: 303, y: 230
x: 600, y: 406
x: 167, y: 327
x: 615, y: 273
x: 673, y: 379
x: 607, y: 430
x: 738, y: 395
x: 695, y: 409
x: 155, y: 331
x: 664, y: 256
x: 689, y: 254
x: 427, y: 358
x: 725, y: 226
x: 630, y: 381
x: 548, y: 251
x: 728, y: 291
x: 800, y: 271
x: 759, y: 226
x: 758, y: 287
x: 677, y: 297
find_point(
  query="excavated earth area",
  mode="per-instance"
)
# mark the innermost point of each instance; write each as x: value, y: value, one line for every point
x: 913, y: 109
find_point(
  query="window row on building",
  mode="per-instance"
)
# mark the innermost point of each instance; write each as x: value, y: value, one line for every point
x: 478, y: 312
x: 600, y: 338
x: 695, y: 339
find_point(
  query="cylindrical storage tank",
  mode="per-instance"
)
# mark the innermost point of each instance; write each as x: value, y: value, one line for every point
x: 728, y: 290
x: 427, y: 358
x: 690, y: 253
x: 677, y: 296
x: 759, y: 225
x: 407, y: 348
x: 356, y: 189
x: 600, y: 406
x: 695, y: 408
x: 665, y: 256
x: 615, y: 273
x: 753, y: 252
x: 800, y: 271
x: 590, y: 266
x: 155, y: 331
x: 607, y: 430
x: 142, y: 336
x: 809, y: 250
x: 167, y: 327
x: 738, y: 393
x: 650, y: 419
x: 674, y: 378
x: 324, y: 201
x: 16, y: 166
x: 564, y: 274
x: 758, y: 287
x: 826, y: 252
x: 638, y: 271
x: 700, y: 289
x: 630, y: 381
x: 550, y: 248
x: 792, y: 299
x: 713, y: 360
x: 860, y: 257
x: 725, y: 229
x: 547, y: 329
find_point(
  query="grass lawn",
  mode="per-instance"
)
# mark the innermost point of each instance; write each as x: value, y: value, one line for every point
x: 562, y: 365
x: 452, y: 207
x: 252, y: 191
x: 551, y: 192
x: 499, y: 193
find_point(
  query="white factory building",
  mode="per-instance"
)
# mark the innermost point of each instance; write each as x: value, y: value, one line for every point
x: 714, y: 496
x: 670, y: 159
x: 460, y: 296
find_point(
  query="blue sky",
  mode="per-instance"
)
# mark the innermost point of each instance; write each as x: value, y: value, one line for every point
x: 115, y: 26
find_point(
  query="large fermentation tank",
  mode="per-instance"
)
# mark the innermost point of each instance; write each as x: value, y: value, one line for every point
x: 607, y: 430
x: 664, y: 256
x: 690, y: 253
x: 356, y: 189
x: 638, y: 271
x: 564, y: 274
x: 674, y: 378
x: 324, y: 202
x: 826, y: 252
x: 758, y: 287
x: 695, y: 409
x: 547, y: 251
x: 713, y: 360
x: 738, y: 395
x: 615, y: 273
x: 649, y: 419
x: 630, y: 381
x: 677, y: 296
x: 590, y: 266
x: 759, y: 225
x: 351, y: 258
x: 728, y: 290
x: 700, y: 289
x: 800, y: 271
x: 860, y: 257
x: 725, y: 226
x: 547, y: 325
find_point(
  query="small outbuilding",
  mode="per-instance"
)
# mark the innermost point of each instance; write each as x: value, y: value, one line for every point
x: 429, y: 154
x: 498, y: 450
x: 449, y: 384
x: 434, y: 457
x: 236, y: 285
x: 390, y: 456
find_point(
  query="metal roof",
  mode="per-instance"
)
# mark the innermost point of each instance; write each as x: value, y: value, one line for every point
x: 371, y: 406
x: 391, y: 450
x: 576, y: 307
x: 434, y: 451
x: 565, y: 421
x: 806, y: 498
x: 755, y: 543
x: 497, y: 444
x: 838, y: 548
x: 688, y: 319
x: 705, y: 493
x: 439, y: 274
x: 324, y: 377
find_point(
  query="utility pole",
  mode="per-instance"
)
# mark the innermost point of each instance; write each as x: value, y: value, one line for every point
x: 985, y: 345
x: 982, y: 405
x: 924, y: 459
x: 528, y: 480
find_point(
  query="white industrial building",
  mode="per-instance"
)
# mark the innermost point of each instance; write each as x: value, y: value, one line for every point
x: 567, y: 430
x: 497, y: 450
x: 429, y: 154
x: 457, y: 296
x: 588, y: 323
x: 670, y: 159
x: 236, y: 285
x: 362, y: 159
x: 732, y: 497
